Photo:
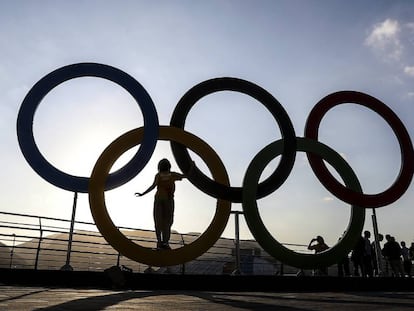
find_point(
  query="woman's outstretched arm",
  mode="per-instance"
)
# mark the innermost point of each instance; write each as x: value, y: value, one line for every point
x: 139, y: 194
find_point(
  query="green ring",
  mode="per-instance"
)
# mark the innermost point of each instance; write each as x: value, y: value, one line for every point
x: 263, y: 236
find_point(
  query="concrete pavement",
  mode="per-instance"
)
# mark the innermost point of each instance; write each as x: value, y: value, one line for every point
x: 24, y: 298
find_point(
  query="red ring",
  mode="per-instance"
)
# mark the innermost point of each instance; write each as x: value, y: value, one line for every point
x: 404, y: 178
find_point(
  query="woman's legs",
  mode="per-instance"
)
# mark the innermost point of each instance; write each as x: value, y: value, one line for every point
x: 163, y: 219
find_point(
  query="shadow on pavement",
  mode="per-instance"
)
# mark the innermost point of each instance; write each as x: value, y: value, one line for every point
x: 181, y: 300
x: 97, y: 303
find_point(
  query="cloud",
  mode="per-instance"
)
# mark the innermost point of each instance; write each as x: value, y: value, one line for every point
x: 384, y: 39
x: 410, y: 26
x: 409, y: 70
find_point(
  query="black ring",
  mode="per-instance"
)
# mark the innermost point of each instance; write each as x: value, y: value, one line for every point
x: 217, y: 190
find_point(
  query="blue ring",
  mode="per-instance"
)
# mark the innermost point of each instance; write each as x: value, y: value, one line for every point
x: 51, y: 80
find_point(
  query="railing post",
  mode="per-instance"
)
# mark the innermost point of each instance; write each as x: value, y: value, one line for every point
x: 377, y: 242
x: 40, y: 241
x: 183, y: 264
x: 12, y: 251
x: 237, y: 241
x: 118, y: 259
x: 67, y: 266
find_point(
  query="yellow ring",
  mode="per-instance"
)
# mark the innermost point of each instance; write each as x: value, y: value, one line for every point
x: 120, y: 242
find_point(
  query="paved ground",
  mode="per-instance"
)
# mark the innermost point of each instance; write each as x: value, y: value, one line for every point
x: 16, y: 298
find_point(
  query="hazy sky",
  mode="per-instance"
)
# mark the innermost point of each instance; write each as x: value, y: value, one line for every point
x: 299, y: 51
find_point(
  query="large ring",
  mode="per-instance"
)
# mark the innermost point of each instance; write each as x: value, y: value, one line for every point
x: 213, y: 188
x: 121, y: 243
x: 263, y: 236
x: 51, y: 80
x: 397, y: 189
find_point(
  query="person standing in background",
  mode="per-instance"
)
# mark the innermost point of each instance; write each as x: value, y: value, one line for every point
x: 320, y: 246
x: 405, y: 252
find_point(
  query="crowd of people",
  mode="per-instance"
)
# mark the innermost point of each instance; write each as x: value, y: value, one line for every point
x: 396, y: 259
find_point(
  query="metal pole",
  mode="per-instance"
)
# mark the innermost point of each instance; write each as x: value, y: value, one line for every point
x: 67, y: 266
x: 12, y: 251
x: 377, y: 242
x: 183, y: 265
x: 118, y: 259
x: 38, y: 245
x: 237, y: 241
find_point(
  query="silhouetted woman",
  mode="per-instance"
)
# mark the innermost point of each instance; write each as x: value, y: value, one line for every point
x: 163, y: 202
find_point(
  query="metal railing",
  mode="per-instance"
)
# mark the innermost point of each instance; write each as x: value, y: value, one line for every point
x: 39, y: 242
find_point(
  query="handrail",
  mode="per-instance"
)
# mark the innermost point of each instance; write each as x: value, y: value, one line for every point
x: 46, y: 248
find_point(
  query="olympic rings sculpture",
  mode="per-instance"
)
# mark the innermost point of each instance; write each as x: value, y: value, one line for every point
x: 219, y: 187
